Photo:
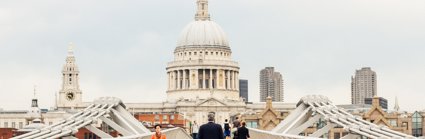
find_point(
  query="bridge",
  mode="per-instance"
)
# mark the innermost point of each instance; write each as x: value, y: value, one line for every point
x: 110, y: 111
x: 310, y: 109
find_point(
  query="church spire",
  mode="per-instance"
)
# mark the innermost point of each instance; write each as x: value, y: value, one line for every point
x: 35, y: 91
x: 34, y: 102
x: 70, y: 93
x: 202, y: 12
x: 396, y: 106
x: 71, y: 49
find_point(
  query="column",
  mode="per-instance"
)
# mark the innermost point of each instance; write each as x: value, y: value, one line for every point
x: 210, y: 78
x: 174, y: 80
x: 190, y: 79
x: 203, y: 79
x: 184, y: 79
x: 216, y: 79
x: 234, y: 80
x: 169, y: 80
x: 228, y: 79
x: 237, y: 80
x: 231, y: 80
x: 178, y: 79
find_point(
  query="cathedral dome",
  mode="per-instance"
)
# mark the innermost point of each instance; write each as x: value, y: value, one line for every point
x: 203, y: 33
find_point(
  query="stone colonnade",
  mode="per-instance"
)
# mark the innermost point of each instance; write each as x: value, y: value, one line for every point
x: 207, y: 78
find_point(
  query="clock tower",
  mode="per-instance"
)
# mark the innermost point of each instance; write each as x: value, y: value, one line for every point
x: 70, y: 96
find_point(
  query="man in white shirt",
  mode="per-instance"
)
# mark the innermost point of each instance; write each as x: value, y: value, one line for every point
x: 195, y: 129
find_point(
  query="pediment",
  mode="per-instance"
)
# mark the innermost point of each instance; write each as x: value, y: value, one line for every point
x: 211, y: 102
x: 378, y: 109
x: 269, y: 110
x: 381, y: 121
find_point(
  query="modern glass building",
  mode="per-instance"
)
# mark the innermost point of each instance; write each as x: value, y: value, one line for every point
x: 417, y: 124
x: 243, y: 89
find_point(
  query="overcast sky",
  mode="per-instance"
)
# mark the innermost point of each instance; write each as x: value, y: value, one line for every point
x: 122, y: 47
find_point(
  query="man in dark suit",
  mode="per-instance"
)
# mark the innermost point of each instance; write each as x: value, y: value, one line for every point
x: 243, y: 132
x: 210, y: 130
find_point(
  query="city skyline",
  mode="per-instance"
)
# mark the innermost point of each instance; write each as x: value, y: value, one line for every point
x: 122, y: 51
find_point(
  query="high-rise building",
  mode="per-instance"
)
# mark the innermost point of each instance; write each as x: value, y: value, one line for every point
x: 363, y: 85
x: 243, y: 89
x: 271, y: 84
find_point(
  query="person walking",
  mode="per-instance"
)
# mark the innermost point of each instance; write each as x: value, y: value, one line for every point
x: 226, y: 129
x: 158, y: 134
x: 236, y: 122
x: 234, y: 131
x: 210, y: 130
x: 243, y: 132
x: 195, y: 129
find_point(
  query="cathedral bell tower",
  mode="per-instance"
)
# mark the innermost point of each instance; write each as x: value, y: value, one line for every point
x: 70, y: 96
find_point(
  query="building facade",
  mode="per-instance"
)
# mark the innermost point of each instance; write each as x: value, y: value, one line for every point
x: 267, y: 119
x: 166, y: 120
x: 243, y: 89
x: 363, y: 85
x: 271, y: 84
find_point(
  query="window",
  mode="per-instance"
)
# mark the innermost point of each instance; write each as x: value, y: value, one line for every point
x: 156, y: 117
x: 21, y: 125
x: 172, y: 117
x: 337, y: 136
x: 200, y: 83
x: 13, y: 125
x: 404, y: 124
x: 393, y: 122
x: 164, y: 117
x: 6, y: 125
x: 344, y: 133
